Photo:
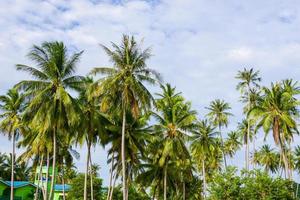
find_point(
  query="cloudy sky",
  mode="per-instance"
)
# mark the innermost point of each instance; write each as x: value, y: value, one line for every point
x: 198, y: 45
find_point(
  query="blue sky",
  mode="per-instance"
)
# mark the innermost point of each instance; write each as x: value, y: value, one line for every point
x: 197, y: 45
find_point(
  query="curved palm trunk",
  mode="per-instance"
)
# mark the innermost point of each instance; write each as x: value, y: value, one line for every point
x: 165, y: 183
x: 86, y: 171
x: 91, y: 177
x: 12, y: 166
x: 53, y: 166
x: 47, y: 176
x: 39, y: 179
x: 123, y: 155
x: 204, y: 179
x: 111, y: 176
x: 254, y: 150
x: 222, y: 143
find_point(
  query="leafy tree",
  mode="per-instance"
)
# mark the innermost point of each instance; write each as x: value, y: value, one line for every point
x: 123, y: 84
x: 77, y: 188
x: 250, y: 185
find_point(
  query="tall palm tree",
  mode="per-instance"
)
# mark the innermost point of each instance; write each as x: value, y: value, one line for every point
x: 248, y: 79
x: 219, y: 114
x: 268, y: 158
x: 203, y: 144
x: 175, y: 118
x: 277, y: 111
x: 52, y: 110
x: 123, y: 84
x: 11, y: 105
x: 92, y: 124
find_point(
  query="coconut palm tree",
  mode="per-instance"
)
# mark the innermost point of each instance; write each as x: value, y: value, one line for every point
x: 203, y: 144
x: 277, y: 111
x: 93, y: 123
x: 123, y: 84
x: 52, y: 110
x: 137, y: 136
x: 175, y: 118
x: 219, y: 114
x: 249, y: 79
x: 268, y: 158
x: 232, y: 143
x: 11, y: 105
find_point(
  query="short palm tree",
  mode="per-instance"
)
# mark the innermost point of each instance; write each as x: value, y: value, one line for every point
x: 268, y: 158
x: 219, y: 114
x: 11, y: 105
x: 203, y: 144
x: 123, y: 84
x: 232, y: 143
x: 175, y: 118
x: 249, y: 80
x: 52, y: 110
x: 277, y: 111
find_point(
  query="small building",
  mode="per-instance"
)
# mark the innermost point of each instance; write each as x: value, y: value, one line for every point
x: 23, y: 190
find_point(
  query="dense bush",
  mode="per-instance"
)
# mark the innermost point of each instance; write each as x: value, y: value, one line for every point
x: 77, y: 188
x: 251, y: 186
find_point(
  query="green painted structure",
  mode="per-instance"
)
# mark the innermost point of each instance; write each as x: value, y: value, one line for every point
x: 25, y: 190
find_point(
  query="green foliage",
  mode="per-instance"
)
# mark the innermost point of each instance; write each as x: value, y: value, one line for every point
x: 77, y: 186
x: 133, y: 193
x: 250, y: 185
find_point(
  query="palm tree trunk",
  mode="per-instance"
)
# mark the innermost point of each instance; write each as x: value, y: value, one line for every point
x: 12, y: 166
x: 86, y: 171
x: 165, y: 183
x: 254, y: 150
x: 113, y: 186
x: 248, y: 131
x: 204, y: 179
x: 284, y: 158
x: 91, y: 177
x: 111, y: 175
x: 123, y: 155
x: 153, y: 196
x: 38, y: 179
x: 183, y: 190
x: 222, y: 143
x: 47, y: 176
x: 63, y: 181
x: 53, y: 166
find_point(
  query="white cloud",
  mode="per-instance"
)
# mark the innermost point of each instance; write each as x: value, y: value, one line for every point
x: 241, y: 54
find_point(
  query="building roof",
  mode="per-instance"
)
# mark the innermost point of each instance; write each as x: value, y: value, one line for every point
x: 59, y: 187
x: 18, y: 184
